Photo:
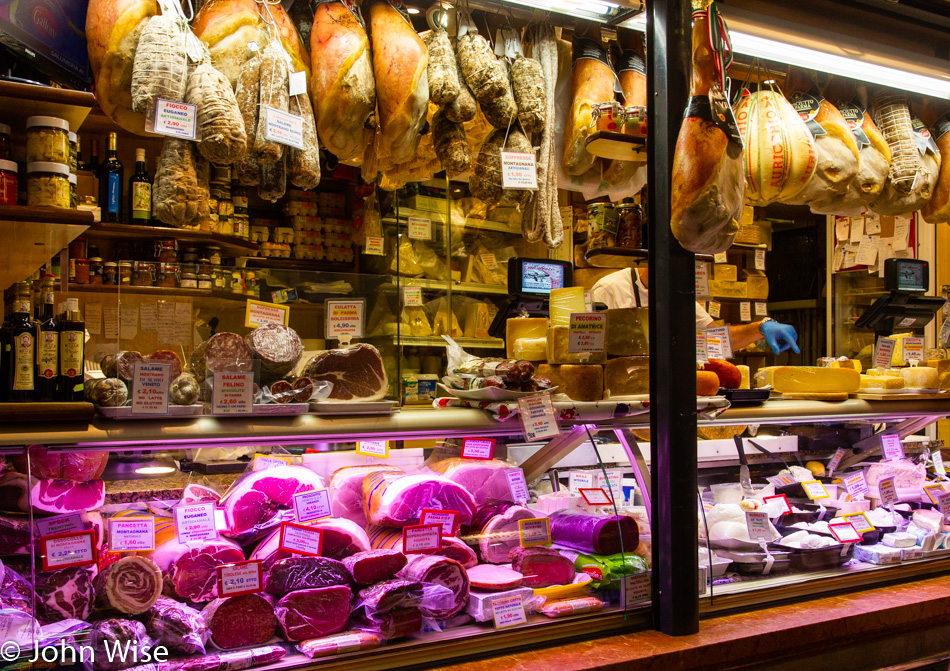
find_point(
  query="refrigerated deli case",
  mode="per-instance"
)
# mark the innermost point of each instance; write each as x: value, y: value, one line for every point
x: 353, y: 594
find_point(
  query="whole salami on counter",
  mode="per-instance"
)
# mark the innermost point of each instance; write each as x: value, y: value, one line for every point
x: 508, y: 369
x: 132, y: 585
x: 240, y: 621
x: 221, y: 352
x: 169, y: 357
x: 341, y: 643
x: 278, y: 348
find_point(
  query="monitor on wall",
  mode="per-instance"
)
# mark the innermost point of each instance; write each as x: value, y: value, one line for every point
x: 46, y: 37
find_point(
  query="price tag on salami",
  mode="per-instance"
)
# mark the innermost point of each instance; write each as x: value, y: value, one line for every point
x: 891, y: 447
x: 61, y: 524
x: 636, y: 589
x: 888, y: 491
x: 702, y: 280
x: 420, y: 228
x: 508, y: 611
x: 412, y: 297
x: 856, y: 485
x: 131, y: 534
x: 301, y: 539
x: 312, y: 505
x: 757, y: 523
x: 77, y: 548
x: 934, y: 492
x: 760, y: 259
x: 448, y: 519
x: 578, y: 480
x: 745, y: 311
x: 913, y: 349
x: 258, y: 313
x: 835, y: 460
x: 588, y: 332
x: 422, y: 538
x: 786, y: 506
x: 232, y: 393
x: 283, y: 127
x: 518, y: 170
x: 883, y: 352
x: 373, y: 448
x: 517, y: 485
x: 721, y: 257
x: 195, y: 522
x: 860, y: 522
x: 845, y: 532
x: 150, y: 383
x: 344, y: 319
x: 375, y: 246
x: 724, y: 344
x: 244, y: 577
x: 596, y: 496
x: 478, y: 448
x: 175, y: 119
x: 815, y: 490
x: 937, y: 457
x: 533, y: 532
x: 537, y: 416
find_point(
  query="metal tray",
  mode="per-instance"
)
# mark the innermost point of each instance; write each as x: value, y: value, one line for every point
x: 746, y: 397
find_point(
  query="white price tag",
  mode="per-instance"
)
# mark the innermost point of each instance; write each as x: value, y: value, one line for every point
x: 232, y: 393
x: 420, y: 228
x: 937, y: 457
x: 701, y: 354
x: 344, y: 319
x: 725, y: 342
x: 373, y: 448
x: 761, y: 309
x: 943, y: 504
x: 856, y: 485
x: 412, y: 297
x: 888, y: 491
x: 636, y: 589
x: 721, y: 257
x: 508, y: 611
x: 175, y: 119
x: 535, y: 531
x: 883, y: 352
x: 760, y: 259
x: 588, y: 332
x: 860, y: 522
x: 312, y: 505
x: 835, y: 460
x: 913, y: 349
x: 375, y: 246
x: 447, y: 519
x: 842, y: 228
x: 612, y: 483
x: 61, y: 524
x: 298, y: 83
x: 596, y: 496
x: 478, y: 448
x: 783, y: 499
x: 488, y: 258
x: 258, y: 313
x: 745, y: 311
x: 537, y: 417
x: 758, y: 526
x: 283, y: 128
x: 132, y: 534
x: 422, y: 538
x: 715, y: 309
x: 300, y: 539
x: 518, y: 170
x: 264, y: 461
x: 780, y: 480
x: 891, y: 447
x: 702, y: 280
x: 815, y: 490
x: 577, y: 480
x: 240, y: 578
x: 195, y: 522
x: 517, y: 485
x: 150, y: 383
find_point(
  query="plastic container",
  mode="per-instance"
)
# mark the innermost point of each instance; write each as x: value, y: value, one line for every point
x: 47, y: 184
x: 5, y: 142
x: 47, y: 140
x: 8, y: 182
x: 81, y: 271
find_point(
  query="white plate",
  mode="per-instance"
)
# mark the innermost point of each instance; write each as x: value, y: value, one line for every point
x: 339, y: 408
x: 125, y: 412
x: 493, y: 394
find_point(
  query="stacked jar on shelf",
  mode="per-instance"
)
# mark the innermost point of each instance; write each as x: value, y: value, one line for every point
x: 51, y: 156
x: 318, y: 232
x: 8, y: 169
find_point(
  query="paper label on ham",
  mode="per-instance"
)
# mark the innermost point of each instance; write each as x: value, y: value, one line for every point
x: 61, y: 524
x: 300, y: 539
x: 312, y: 505
x: 854, y: 115
x: 925, y: 140
x: 422, y: 538
x: 808, y: 104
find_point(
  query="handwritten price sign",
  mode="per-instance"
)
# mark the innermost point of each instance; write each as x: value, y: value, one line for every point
x: 195, y: 522
x: 239, y: 578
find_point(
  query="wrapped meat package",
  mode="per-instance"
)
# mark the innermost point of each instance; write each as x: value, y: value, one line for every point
x: 367, y: 568
x: 346, y: 491
x: 114, y: 634
x: 594, y: 534
x: 439, y: 571
x: 64, y: 594
x: 309, y: 613
x: 395, y: 500
x: 177, y: 626
x: 297, y: 573
x: 341, y: 538
x: 191, y: 569
x: 390, y: 539
x: 486, y: 480
x: 341, y: 643
x: 240, y: 621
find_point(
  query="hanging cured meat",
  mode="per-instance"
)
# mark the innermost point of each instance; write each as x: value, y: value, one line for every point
x: 937, y: 117
x: 343, y: 85
x: 874, y: 153
x: 707, y: 187
x: 113, y: 28
x: 632, y: 72
x: 592, y: 83
x: 400, y: 63
x: 915, y: 161
x: 836, y: 151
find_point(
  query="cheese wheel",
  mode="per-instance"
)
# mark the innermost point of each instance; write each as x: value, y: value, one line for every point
x: 577, y: 382
x: 627, y: 375
x: 557, y: 345
x: 920, y: 377
x: 707, y: 383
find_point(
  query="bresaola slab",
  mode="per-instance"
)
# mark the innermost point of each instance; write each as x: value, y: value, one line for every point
x: 297, y: 573
x: 309, y: 613
x: 241, y: 621
x: 541, y: 567
x: 367, y: 568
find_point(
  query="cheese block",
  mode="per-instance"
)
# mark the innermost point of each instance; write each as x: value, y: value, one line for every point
x: 721, y: 289
x: 897, y: 356
x: 931, y: 520
x: 562, y: 303
x: 626, y: 376
x: 720, y: 432
x: 943, y: 371
x: 558, y: 337
x: 882, y: 382
x: 757, y: 284
x: 528, y: 327
x: 477, y: 318
x: 726, y: 272
x: 899, y: 539
x: 577, y: 382
x: 850, y: 363
x: 529, y: 349
x: 920, y: 377
x: 877, y: 554
x: 809, y: 379
x: 744, y: 373
x: 628, y: 332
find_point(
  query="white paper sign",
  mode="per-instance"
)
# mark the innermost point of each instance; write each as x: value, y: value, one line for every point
x: 239, y: 578
x: 857, y: 230
x: 856, y: 484
x: 943, y: 504
x: 422, y: 538
x: 578, y: 480
x: 283, y: 127
x: 312, y: 505
x: 913, y: 349
x: 420, y: 228
x: 61, y: 524
x: 757, y: 524
x: 508, y: 611
x: 701, y: 354
x: 375, y: 246
x: 867, y: 251
x: 175, y: 119
x: 721, y: 257
x: 888, y: 491
x: 761, y: 309
x: 596, y: 496
x: 901, y: 233
x: 815, y: 490
x: 702, y: 280
x: 131, y: 534
x: 588, y: 332
x: 412, y: 297
x: 517, y: 485
x: 478, y: 448
x: 75, y: 549
x: 150, y: 383
x: 835, y: 460
x: 302, y: 539
x: 872, y: 224
x: 760, y: 259
x: 518, y: 170
x: 232, y: 393
x: 883, y: 352
x: 613, y: 483
x: 844, y: 532
x: 298, y: 83
x: 373, y: 448
x: 745, y: 311
x: 195, y: 522
x: 891, y: 447
x: 842, y: 228
x: 344, y: 319
x: 937, y: 456
x: 715, y: 309
x: 724, y: 344
x: 636, y: 589
x: 537, y: 417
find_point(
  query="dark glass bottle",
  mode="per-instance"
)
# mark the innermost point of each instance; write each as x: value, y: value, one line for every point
x: 72, y: 333
x: 19, y: 342
x: 140, y: 192
x: 93, y: 164
x: 47, y: 344
x: 155, y: 221
x: 110, y: 184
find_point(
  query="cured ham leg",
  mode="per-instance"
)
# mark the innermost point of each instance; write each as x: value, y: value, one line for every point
x: 592, y: 82
x: 937, y: 117
x: 708, y: 186
x: 633, y: 82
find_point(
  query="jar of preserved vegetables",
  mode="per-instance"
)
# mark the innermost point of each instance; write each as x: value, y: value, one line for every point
x: 125, y: 273
x: 82, y: 271
x: 629, y: 224
x: 47, y: 185
x: 47, y: 140
x: 143, y: 274
x: 166, y: 251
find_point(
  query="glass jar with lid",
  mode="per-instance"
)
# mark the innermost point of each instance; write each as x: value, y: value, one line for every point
x: 630, y: 223
x: 189, y: 255
x: 204, y: 281
x: 125, y: 273
x: 166, y: 251
x: 189, y: 281
x: 213, y: 254
x: 82, y: 271
x: 73, y: 183
x: 167, y: 275
x: 95, y: 270
x: 47, y: 140
x: 8, y: 182
x: 110, y: 273
x: 204, y: 267
x: 143, y: 274
x: 47, y: 184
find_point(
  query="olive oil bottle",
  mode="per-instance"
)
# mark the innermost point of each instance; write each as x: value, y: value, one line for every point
x: 72, y: 341
x: 47, y: 344
x: 19, y: 343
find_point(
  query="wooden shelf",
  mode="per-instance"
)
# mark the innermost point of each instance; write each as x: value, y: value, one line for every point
x: 21, y: 101
x: 43, y: 412
x: 445, y: 285
x: 295, y: 264
x: 153, y: 291
x: 228, y: 243
x: 30, y: 236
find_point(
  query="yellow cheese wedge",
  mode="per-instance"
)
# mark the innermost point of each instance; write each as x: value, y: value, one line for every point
x: 627, y: 375
x: 881, y: 382
x: 807, y: 379
x: 530, y: 349
x: 897, y: 357
x: 763, y: 376
x: 943, y: 371
x: 528, y: 327
x: 564, y: 302
x: 726, y: 272
x: 744, y: 373
x: 920, y: 377
x: 850, y: 363
x: 628, y: 332
x: 558, y: 337
x: 578, y: 382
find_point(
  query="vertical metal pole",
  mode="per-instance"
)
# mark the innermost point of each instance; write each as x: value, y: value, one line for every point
x: 672, y: 333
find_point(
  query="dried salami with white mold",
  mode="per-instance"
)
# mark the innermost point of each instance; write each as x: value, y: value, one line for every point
x: 160, y: 66
x: 442, y: 72
x: 247, y: 94
x: 110, y: 393
x: 278, y: 348
x: 184, y: 390
x: 485, y: 76
x: 463, y: 108
x: 219, y: 121
x: 486, y: 182
x: 527, y: 83
x: 501, y: 111
x: 273, y: 184
x: 274, y: 93
x: 304, y: 164
x: 221, y: 352
x: 450, y: 144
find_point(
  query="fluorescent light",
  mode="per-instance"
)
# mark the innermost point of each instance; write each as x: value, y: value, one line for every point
x: 413, y: 10
x: 155, y: 470
x: 595, y: 9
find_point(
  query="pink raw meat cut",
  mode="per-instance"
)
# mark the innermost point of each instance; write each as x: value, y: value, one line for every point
x: 492, y: 578
x: 357, y: 373
x: 395, y: 500
x: 341, y: 538
x: 486, y: 480
x: 260, y: 500
x: 14, y: 492
x: 496, y: 537
x: 346, y: 491
x: 440, y: 571
x: 62, y: 465
x: 64, y: 594
x: 309, y: 613
x: 192, y: 570
x: 390, y: 538
x: 457, y: 549
x: 295, y: 573
x: 241, y: 621
x: 194, y: 493
x: 372, y: 566
x: 393, y: 624
x: 541, y: 566
x: 66, y: 496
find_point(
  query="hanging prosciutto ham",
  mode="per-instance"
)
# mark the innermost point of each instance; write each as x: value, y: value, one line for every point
x: 631, y: 70
x: 592, y: 82
x: 936, y: 115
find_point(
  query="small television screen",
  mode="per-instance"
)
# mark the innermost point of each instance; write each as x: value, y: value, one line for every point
x: 538, y: 277
x: 48, y: 36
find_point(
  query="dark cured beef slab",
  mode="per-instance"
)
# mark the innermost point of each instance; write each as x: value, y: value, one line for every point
x: 541, y: 567
x: 370, y: 567
x: 240, y: 621
x: 289, y: 575
x: 311, y: 613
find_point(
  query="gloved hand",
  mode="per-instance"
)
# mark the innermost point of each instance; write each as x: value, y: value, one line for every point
x: 780, y: 337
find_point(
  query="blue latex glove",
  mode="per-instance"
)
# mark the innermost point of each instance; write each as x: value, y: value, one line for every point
x: 780, y: 337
